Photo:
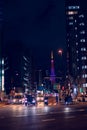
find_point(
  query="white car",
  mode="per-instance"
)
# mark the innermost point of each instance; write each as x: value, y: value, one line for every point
x: 17, y: 100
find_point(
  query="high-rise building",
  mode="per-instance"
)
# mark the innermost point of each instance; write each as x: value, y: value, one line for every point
x: 18, y: 70
x: 1, y: 47
x: 76, y: 40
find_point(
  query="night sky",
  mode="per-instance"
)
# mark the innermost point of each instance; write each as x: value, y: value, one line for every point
x: 39, y: 25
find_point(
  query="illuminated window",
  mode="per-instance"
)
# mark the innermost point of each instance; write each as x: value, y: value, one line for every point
x: 81, y: 16
x: 83, y: 49
x: 84, y: 58
x: 25, y: 58
x: 25, y: 84
x: 70, y: 23
x: 81, y: 24
x: 2, y: 62
x: 72, y: 12
x: 76, y: 43
x: 85, y: 85
x: 84, y: 76
x: 75, y: 20
x: 26, y: 79
x: 77, y: 51
x: 84, y: 67
x: 75, y: 28
x: 25, y: 68
x: 82, y: 40
x: 2, y: 72
x: 2, y: 83
x: 78, y: 68
x: 71, y: 18
x: 76, y: 35
x: 77, y: 59
x: 82, y: 32
x: 73, y: 7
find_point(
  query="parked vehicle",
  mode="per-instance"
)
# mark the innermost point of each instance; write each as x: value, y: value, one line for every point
x: 17, y: 99
x: 29, y: 100
x: 82, y: 98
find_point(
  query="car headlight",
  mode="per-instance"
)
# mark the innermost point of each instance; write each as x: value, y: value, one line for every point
x: 14, y: 100
x: 38, y: 98
x: 33, y: 101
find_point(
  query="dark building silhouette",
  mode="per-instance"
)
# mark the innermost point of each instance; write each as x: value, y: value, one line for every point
x: 18, y: 67
x: 1, y: 46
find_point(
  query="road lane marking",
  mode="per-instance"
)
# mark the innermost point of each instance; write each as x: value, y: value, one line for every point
x: 46, y: 120
x: 40, y: 114
x: 19, y: 115
x: 55, y: 112
x: 81, y: 110
x: 69, y: 117
x: 25, y: 115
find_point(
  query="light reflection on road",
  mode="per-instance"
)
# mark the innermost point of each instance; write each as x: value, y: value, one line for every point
x: 67, y: 109
x: 21, y: 110
x: 27, y: 111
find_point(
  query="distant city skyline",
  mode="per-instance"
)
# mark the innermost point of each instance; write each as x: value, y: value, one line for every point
x: 41, y: 27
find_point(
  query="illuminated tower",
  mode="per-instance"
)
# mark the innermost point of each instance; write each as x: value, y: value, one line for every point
x: 52, y: 76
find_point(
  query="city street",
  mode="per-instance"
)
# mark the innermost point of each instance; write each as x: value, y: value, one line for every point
x: 60, y: 117
x: 43, y: 65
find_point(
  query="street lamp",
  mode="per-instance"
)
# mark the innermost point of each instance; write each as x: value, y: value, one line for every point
x: 60, y: 52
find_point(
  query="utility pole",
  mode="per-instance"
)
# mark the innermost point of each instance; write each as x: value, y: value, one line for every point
x: 40, y: 77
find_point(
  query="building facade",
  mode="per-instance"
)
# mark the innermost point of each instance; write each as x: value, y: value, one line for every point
x: 76, y: 40
x: 18, y: 71
x: 1, y: 46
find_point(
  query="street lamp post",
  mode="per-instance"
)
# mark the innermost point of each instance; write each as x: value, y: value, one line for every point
x: 60, y: 52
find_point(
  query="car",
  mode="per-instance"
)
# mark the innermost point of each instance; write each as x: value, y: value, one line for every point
x: 82, y: 98
x: 29, y: 100
x: 46, y: 100
x: 68, y: 99
x: 17, y: 100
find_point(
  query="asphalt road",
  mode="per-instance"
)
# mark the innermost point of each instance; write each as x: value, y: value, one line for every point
x: 18, y: 117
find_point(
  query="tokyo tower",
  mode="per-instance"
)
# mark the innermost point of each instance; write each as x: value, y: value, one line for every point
x: 52, y: 76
